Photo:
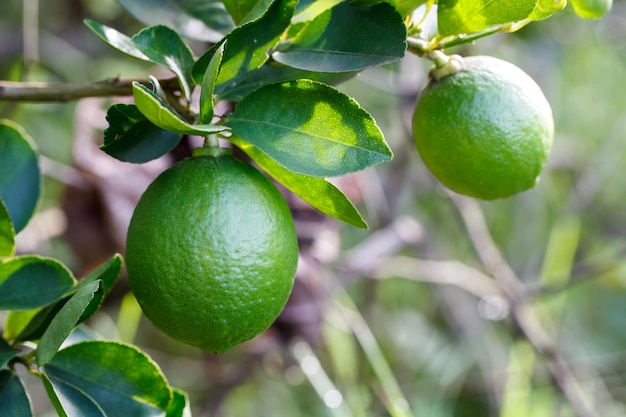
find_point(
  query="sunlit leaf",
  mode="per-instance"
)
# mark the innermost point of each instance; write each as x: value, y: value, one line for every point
x: 164, y: 46
x: 347, y: 38
x: 239, y: 9
x: 310, y: 128
x: 20, y: 178
x: 318, y: 192
x: 115, y: 39
x: 465, y: 16
x: 208, y: 85
x: 131, y: 137
x: 163, y: 116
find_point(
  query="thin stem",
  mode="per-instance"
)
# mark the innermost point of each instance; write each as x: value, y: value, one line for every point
x: 61, y: 92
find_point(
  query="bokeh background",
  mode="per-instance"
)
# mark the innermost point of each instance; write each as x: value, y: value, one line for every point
x: 402, y: 319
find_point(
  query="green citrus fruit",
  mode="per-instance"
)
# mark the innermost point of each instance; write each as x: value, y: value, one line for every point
x: 592, y: 9
x: 483, y: 127
x: 212, y: 251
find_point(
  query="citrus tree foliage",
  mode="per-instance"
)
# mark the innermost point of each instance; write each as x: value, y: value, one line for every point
x: 276, y: 64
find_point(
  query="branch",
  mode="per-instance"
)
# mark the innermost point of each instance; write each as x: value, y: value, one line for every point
x: 50, y: 92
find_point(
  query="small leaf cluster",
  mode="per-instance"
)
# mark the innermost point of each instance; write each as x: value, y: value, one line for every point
x: 47, y: 305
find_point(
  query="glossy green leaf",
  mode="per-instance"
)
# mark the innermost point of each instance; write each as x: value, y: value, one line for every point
x: 404, y: 7
x: 309, y: 10
x: 203, y: 20
x: 310, y: 128
x: 66, y: 319
x: 70, y: 401
x: 115, y: 39
x: 276, y: 72
x: 131, y: 137
x: 13, y: 397
x: 546, y: 8
x: 7, y: 233
x: 239, y: 9
x: 28, y: 282
x: 164, y: 46
x: 120, y: 379
x: 20, y: 178
x: 208, y: 86
x: 31, y: 324
x: 162, y: 115
x: 249, y: 46
x: 6, y: 353
x: 318, y: 192
x: 347, y: 38
x: 456, y: 17
x: 180, y: 406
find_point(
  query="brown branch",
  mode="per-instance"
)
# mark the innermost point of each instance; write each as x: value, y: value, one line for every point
x: 60, y: 92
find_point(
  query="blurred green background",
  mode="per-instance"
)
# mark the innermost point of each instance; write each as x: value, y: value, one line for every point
x: 397, y: 320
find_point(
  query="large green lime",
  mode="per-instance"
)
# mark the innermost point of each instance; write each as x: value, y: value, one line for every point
x: 483, y: 127
x: 212, y: 252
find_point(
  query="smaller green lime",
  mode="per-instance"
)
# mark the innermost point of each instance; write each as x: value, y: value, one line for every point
x: 483, y: 127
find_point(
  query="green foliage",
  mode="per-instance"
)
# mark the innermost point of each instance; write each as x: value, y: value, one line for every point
x: 274, y: 65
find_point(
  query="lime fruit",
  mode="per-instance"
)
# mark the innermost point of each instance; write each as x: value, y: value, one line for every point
x: 212, y: 251
x: 592, y: 9
x: 483, y: 127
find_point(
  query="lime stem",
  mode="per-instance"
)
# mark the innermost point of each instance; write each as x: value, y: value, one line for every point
x: 211, y: 141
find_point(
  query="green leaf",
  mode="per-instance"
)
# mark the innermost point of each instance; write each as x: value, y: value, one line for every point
x: 457, y: 17
x: 66, y: 319
x: 31, y: 324
x: 249, y: 46
x: 28, y: 282
x: 208, y: 85
x: 404, y: 7
x: 203, y: 20
x: 276, y: 72
x: 7, y: 233
x: 546, y: 8
x: 239, y: 9
x: 180, y: 406
x: 162, y: 115
x: 309, y: 10
x: 119, y: 378
x: 347, y: 38
x: 69, y: 398
x: 310, y: 128
x: 131, y: 137
x: 20, y: 178
x: 6, y: 353
x: 13, y: 396
x: 318, y: 192
x: 164, y: 46
x: 115, y: 39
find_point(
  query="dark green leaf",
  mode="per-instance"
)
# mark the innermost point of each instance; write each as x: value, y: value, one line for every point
x: 276, y: 72
x: 7, y: 233
x: 66, y: 319
x: 249, y: 46
x: 456, y: 17
x: 131, y: 137
x: 162, y: 115
x: 347, y: 38
x: 208, y: 85
x: 203, y: 20
x: 6, y: 353
x: 68, y: 399
x: 13, y: 396
x: 164, y: 46
x: 28, y: 282
x: 310, y: 128
x: 318, y: 192
x: 180, y: 404
x: 239, y: 9
x: 121, y: 380
x: 20, y: 178
x: 31, y: 324
x: 115, y: 39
